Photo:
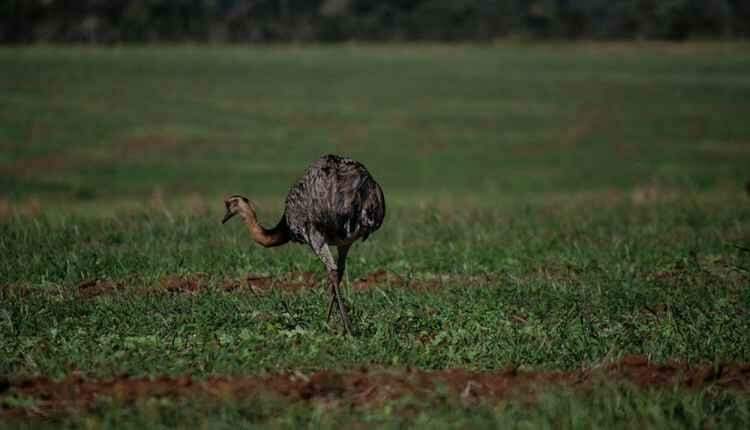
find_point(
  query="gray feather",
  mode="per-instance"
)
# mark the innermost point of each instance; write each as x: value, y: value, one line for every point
x: 336, y: 198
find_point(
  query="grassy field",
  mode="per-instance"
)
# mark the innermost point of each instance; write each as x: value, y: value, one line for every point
x: 558, y: 210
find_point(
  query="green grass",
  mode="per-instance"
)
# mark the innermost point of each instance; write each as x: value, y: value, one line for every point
x: 493, y: 121
x: 575, y: 204
x: 542, y: 291
x: 606, y: 407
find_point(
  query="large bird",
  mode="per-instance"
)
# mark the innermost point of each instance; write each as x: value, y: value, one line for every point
x: 335, y: 203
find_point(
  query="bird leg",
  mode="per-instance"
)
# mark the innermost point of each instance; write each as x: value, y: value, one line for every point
x: 331, y: 304
x: 321, y: 249
x: 340, y: 268
x: 336, y: 296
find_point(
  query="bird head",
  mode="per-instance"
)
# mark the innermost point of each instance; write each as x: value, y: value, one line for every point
x: 234, y: 205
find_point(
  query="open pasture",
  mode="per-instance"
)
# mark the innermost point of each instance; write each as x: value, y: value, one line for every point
x: 567, y: 241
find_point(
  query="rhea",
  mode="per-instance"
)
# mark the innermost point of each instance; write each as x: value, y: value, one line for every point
x: 335, y: 203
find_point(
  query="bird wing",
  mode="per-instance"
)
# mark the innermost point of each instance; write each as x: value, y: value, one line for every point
x: 373, y: 208
x: 338, y: 197
x: 358, y: 201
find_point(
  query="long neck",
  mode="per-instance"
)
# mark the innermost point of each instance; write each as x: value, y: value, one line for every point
x: 276, y: 236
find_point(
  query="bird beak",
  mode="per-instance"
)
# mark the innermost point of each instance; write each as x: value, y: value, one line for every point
x: 227, y: 216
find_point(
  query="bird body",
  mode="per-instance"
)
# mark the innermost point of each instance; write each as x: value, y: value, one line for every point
x: 334, y: 203
x: 336, y: 197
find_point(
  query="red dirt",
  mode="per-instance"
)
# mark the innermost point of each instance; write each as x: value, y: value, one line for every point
x: 293, y: 281
x: 300, y: 281
x: 257, y: 284
x: 643, y: 373
x: 297, y: 281
x: 195, y: 283
x: 381, y: 278
x: 363, y: 387
x: 94, y: 288
x: 192, y: 284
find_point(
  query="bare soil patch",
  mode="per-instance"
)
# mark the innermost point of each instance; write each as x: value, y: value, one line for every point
x: 363, y: 387
x: 192, y: 284
x: 382, y: 278
x: 292, y: 281
x: 712, y: 271
x: 196, y: 283
x: 299, y: 281
x: 94, y: 288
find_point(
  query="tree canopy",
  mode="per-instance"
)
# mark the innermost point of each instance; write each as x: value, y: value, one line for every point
x: 142, y: 21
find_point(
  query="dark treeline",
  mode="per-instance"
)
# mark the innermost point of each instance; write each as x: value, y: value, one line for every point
x: 124, y: 21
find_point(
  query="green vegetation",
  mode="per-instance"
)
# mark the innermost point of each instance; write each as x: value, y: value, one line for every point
x: 550, y: 207
x: 616, y: 408
x: 544, y: 291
